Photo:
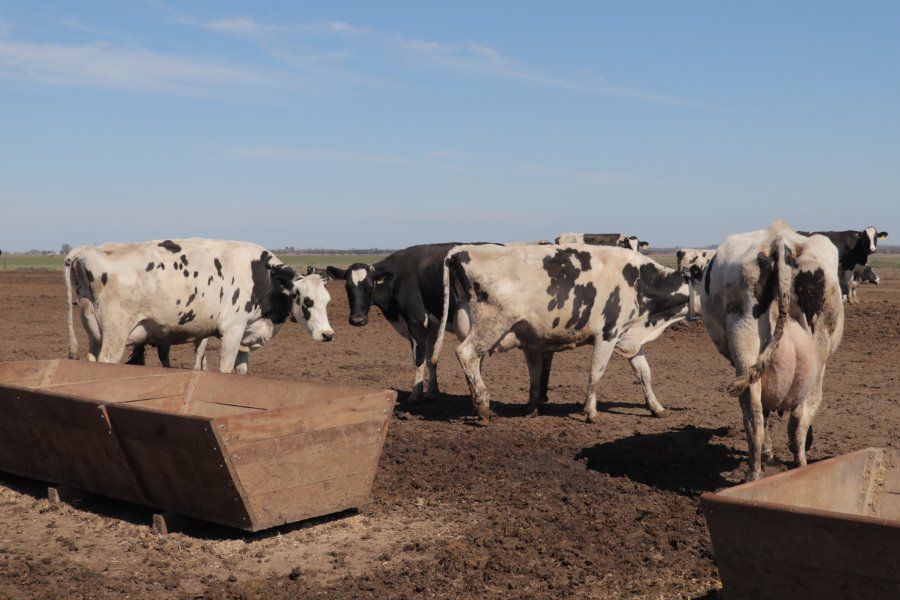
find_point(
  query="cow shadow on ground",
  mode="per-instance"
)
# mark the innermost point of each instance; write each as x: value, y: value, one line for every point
x: 685, y: 461
x: 453, y: 407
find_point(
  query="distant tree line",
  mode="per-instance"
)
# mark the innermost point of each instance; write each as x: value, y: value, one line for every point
x: 290, y: 250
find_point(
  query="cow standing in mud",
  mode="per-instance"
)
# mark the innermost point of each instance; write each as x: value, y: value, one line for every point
x: 771, y: 302
x: 544, y: 299
x: 178, y: 291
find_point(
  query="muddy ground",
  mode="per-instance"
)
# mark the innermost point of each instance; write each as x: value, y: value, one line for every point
x: 550, y: 507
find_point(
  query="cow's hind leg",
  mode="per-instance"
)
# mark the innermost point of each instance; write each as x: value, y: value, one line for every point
x: 754, y: 427
x: 418, y: 344
x: 599, y: 360
x: 470, y: 355
x: 430, y: 340
x: 767, y: 452
x: 642, y: 372
x: 800, y: 423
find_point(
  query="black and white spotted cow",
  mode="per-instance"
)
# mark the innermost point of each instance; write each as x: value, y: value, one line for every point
x: 408, y: 288
x: 544, y: 299
x: 771, y: 303
x: 604, y: 239
x: 692, y: 263
x: 854, y: 249
x: 177, y: 291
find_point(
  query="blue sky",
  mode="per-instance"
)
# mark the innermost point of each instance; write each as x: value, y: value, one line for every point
x: 348, y: 124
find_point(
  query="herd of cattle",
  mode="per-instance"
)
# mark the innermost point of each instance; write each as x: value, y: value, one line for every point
x: 771, y: 301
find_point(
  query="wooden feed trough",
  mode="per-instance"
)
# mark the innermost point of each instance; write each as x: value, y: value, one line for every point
x: 825, y: 531
x: 247, y: 452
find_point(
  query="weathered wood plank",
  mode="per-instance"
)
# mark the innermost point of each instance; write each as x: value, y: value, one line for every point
x: 306, y: 502
x: 334, y: 413
x: 307, y: 467
x: 284, y: 447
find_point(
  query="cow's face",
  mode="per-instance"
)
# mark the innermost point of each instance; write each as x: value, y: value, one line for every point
x: 362, y: 282
x: 692, y: 263
x: 630, y: 242
x: 869, y: 238
x: 870, y: 276
x: 642, y: 246
x: 309, y: 303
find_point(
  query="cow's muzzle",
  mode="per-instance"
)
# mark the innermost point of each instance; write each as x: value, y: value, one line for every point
x: 359, y: 321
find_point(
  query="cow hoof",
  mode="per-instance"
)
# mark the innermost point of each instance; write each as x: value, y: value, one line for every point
x: 592, y: 417
x: 484, y: 415
x: 532, y: 411
x: 660, y: 413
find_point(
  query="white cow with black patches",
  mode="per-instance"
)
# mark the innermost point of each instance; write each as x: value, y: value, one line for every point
x: 544, y: 299
x: 771, y: 302
x: 177, y: 291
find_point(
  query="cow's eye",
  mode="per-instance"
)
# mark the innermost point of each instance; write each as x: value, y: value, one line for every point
x: 308, y: 302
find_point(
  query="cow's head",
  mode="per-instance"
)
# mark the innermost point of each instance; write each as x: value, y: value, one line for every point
x: 309, y: 300
x: 633, y: 243
x: 692, y: 263
x: 869, y: 237
x: 364, y: 284
x: 868, y: 275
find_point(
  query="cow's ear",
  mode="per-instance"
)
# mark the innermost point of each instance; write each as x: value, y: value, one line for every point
x: 679, y: 256
x: 284, y: 275
x: 336, y: 273
x: 882, y: 234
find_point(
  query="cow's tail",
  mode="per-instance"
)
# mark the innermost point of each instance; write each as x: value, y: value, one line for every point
x: 784, y: 277
x: 67, y: 272
x: 445, y: 311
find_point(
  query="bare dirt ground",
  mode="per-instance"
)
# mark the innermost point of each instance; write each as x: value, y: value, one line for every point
x: 549, y: 507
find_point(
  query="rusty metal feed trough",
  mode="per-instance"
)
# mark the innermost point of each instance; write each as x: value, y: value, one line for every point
x: 827, y: 530
x: 247, y: 452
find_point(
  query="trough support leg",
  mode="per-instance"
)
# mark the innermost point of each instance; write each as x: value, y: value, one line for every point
x: 58, y: 495
x: 169, y: 522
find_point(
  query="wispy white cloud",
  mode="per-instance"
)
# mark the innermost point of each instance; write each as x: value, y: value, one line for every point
x: 481, y: 59
x: 117, y: 67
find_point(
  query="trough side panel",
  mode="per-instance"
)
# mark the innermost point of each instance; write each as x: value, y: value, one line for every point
x: 308, y: 474
x: 765, y: 552
x: 179, y: 462
x: 69, y: 442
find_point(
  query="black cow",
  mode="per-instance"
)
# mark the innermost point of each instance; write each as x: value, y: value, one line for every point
x: 408, y: 287
x: 854, y: 248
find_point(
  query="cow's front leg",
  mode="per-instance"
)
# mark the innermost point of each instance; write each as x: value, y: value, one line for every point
x: 138, y: 355
x: 535, y: 361
x: 599, y: 360
x: 418, y: 344
x: 547, y: 363
x: 754, y: 427
x: 242, y: 363
x: 231, y: 345
x: 162, y: 351
x: 200, y: 354
x: 642, y: 372
x: 470, y: 359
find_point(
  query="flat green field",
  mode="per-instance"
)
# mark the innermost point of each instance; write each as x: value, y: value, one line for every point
x: 300, y: 261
